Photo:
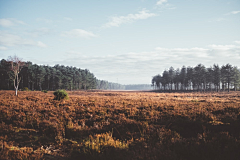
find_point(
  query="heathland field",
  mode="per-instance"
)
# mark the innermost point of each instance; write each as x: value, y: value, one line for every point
x: 120, y: 125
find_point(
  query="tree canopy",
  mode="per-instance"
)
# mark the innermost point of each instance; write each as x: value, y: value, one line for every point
x: 42, y: 77
x: 198, y: 78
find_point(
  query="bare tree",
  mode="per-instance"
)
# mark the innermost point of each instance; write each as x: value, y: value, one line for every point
x: 16, y: 64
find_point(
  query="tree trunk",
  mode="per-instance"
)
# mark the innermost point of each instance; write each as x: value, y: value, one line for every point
x: 228, y: 86
x: 40, y: 86
x: 32, y: 86
x: 16, y: 89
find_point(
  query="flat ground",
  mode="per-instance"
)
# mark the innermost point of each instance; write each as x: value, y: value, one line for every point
x: 120, y: 125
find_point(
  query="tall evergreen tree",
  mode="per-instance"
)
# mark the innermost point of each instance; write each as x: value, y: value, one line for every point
x: 227, y: 74
x: 236, y: 78
x: 216, y: 76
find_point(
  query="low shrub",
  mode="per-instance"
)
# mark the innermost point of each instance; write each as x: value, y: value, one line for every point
x: 45, y: 91
x: 101, y: 142
x: 26, y: 89
x: 60, y: 94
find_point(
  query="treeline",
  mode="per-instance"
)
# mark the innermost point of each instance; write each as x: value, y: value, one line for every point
x: 138, y: 87
x: 105, y: 85
x: 200, y: 78
x: 42, y: 77
x: 101, y: 84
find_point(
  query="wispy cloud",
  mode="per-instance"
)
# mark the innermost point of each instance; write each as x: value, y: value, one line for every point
x: 163, y: 4
x: 172, y: 8
x: 12, y: 40
x: 160, y: 2
x: 217, y: 20
x: 67, y: 18
x: 238, y: 42
x: 40, y: 32
x: 233, y: 12
x: 222, y: 47
x: 9, y: 22
x: 2, y: 48
x: 78, y: 33
x: 116, y: 21
x: 72, y: 53
x: 45, y: 20
x: 220, y: 19
x: 139, y: 67
x: 41, y: 44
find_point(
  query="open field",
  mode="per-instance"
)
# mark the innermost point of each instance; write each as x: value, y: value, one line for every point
x: 120, y: 125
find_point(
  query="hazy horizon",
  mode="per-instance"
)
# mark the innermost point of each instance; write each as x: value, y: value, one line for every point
x: 124, y: 42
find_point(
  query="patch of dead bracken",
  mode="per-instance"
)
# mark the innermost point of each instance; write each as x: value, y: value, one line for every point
x: 120, y: 125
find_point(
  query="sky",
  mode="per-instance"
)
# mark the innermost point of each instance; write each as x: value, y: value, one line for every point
x: 121, y: 41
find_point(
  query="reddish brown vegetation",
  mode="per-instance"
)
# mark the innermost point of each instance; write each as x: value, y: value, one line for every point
x: 120, y: 125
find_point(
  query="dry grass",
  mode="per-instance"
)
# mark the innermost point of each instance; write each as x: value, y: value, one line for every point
x: 120, y: 125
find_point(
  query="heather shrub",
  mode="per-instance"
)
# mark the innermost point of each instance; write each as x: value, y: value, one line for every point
x: 60, y: 94
x: 45, y: 91
x: 26, y: 89
x: 101, y: 142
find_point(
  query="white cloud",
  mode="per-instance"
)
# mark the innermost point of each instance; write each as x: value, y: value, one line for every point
x: 116, y: 21
x: 6, y: 23
x: 220, y: 19
x: 2, y: 48
x: 139, y: 67
x: 9, y: 22
x: 222, y: 47
x: 67, y: 19
x: 161, y: 2
x: 41, y: 44
x: 233, y: 12
x: 40, y: 32
x: 238, y: 42
x: 172, y: 8
x: 72, y: 53
x: 78, y: 33
x: 44, y: 20
x: 11, y: 40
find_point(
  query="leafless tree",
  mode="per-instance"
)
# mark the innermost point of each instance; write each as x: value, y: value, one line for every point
x: 16, y: 64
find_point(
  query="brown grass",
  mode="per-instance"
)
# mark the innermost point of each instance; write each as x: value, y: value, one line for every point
x: 120, y: 125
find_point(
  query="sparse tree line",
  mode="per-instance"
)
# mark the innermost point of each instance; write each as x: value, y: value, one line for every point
x: 199, y: 78
x: 42, y: 77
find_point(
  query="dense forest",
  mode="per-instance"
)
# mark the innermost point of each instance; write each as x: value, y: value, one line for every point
x: 199, y: 78
x: 42, y: 77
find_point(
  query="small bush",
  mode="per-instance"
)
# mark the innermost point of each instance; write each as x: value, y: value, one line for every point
x: 101, y: 142
x: 45, y: 91
x: 26, y: 89
x: 60, y: 94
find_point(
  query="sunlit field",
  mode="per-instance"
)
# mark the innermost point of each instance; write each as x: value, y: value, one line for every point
x: 120, y: 125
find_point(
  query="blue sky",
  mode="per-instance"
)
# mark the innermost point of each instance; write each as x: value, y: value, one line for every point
x: 122, y: 41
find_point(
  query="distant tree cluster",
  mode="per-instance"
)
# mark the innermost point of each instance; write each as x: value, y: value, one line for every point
x: 105, y: 85
x: 199, y: 78
x: 41, y: 77
x: 138, y: 87
x: 102, y: 84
